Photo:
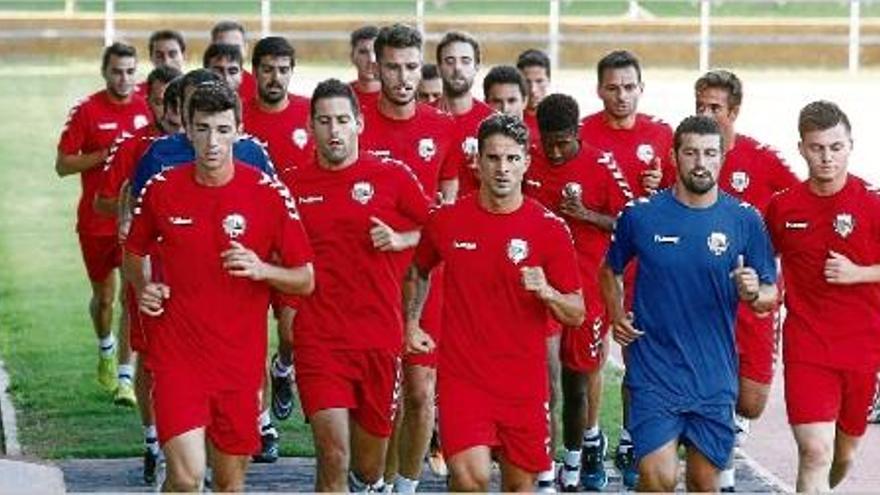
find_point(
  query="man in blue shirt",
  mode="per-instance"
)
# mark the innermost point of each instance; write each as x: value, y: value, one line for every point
x: 699, y: 251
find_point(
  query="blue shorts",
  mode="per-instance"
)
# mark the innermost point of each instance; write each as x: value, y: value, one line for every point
x: 654, y: 422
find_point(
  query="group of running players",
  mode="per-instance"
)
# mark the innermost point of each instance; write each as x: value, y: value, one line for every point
x: 421, y: 249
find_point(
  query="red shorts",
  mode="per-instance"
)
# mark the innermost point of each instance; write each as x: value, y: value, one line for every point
x: 816, y: 394
x: 101, y: 255
x: 431, y: 322
x: 581, y: 348
x: 136, y: 336
x: 182, y: 403
x: 756, y: 338
x: 367, y: 382
x: 517, y: 430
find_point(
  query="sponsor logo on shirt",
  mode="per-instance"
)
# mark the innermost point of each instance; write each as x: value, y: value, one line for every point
x: 645, y: 153
x: 533, y: 183
x: 427, y: 148
x: 739, y: 181
x: 107, y: 126
x: 180, y: 220
x: 300, y: 137
x: 844, y: 224
x: 517, y: 250
x: 307, y: 200
x: 140, y: 120
x: 572, y: 190
x: 362, y: 192
x: 717, y: 243
x: 234, y: 225
x: 796, y: 225
x: 466, y: 245
x: 666, y: 239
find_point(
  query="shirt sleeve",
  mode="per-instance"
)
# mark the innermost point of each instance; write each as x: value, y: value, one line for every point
x: 454, y: 158
x: 118, y: 162
x: 144, y: 228
x: 622, y: 248
x: 291, y: 242
x: 781, y: 176
x: 427, y: 256
x: 759, y: 251
x: 560, y: 267
x: 75, y: 130
x: 412, y: 202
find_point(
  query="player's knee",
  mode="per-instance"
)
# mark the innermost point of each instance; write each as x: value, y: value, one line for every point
x: 184, y: 479
x: 656, y: 478
x: 333, y: 458
x: 102, y: 301
x: 231, y: 484
x: 815, y: 453
x: 419, y: 399
x: 469, y: 480
x: 751, y: 408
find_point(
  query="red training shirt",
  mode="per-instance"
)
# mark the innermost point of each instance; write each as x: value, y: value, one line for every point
x: 124, y: 156
x: 357, y: 298
x: 494, y: 330
x: 285, y: 133
x: 754, y: 172
x: 92, y: 125
x: 830, y: 325
x: 464, y: 146
x: 214, y: 324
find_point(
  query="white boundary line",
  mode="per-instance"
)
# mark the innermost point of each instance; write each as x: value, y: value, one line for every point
x: 7, y: 416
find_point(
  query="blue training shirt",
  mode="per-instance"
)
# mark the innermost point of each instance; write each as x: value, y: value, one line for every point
x: 685, y: 299
x: 176, y: 149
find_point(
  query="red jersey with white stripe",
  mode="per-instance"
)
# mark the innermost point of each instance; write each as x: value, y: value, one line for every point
x: 754, y: 172
x: 124, y: 155
x: 588, y: 176
x: 285, y: 133
x: 494, y: 330
x: 423, y: 142
x: 92, y: 125
x: 365, y: 99
x: 635, y: 150
x: 357, y: 298
x: 247, y: 90
x: 214, y: 324
x: 831, y: 325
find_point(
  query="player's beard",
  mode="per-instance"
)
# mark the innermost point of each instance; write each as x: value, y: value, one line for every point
x: 392, y: 98
x: 698, y: 185
x: 452, y: 90
x: 270, y: 97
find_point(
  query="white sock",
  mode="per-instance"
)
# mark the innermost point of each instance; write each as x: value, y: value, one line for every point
x: 280, y: 369
x: 403, y: 484
x: 357, y: 485
x: 727, y: 478
x: 151, y: 439
x: 548, y: 475
x: 125, y: 373
x: 624, y: 436
x: 572, y: 458
x: 591, y: 433
x: 107, y: 346
x: 266, y: 426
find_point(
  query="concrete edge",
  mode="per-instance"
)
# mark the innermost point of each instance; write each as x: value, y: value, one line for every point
x: 7, y: 416
x: 760, y: 471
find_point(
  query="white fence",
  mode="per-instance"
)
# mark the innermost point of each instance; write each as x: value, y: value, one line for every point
x: 553, y: 37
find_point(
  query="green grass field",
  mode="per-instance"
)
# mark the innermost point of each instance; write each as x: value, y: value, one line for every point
x: 668, y: 8
x: 46, y: 338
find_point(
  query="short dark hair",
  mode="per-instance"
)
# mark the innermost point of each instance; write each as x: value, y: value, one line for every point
x: 214, y: 98
x: 397, y: 36
x: 368, y: 32
x: 222, y: 50
x: 166, y: 34
x: 723, y: 79
x: 173, y: 94
x: 505, y: 125
x: 557, y: 113
x: 198, y: 76
x: 618, y: 59
x: 334, y: 88
x: 272, y: 46
x: 504, y: 74
x: 533, y: 58
x: 821, y: 115
x: 697, y: 124
x: 163, y: 74
x: 429, y: 71
x: 224, y: 26
x: 458, y: 37
x: 117, y: 49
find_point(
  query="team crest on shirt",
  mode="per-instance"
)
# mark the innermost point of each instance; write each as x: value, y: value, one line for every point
x: 844, y: 224
x: 427, y: 148
x: 572, y: 190
x: 645, y: 153
x: 469, y: 146
x: 234, y: 225
x: 739, y: 181
x: 140, y: 121
x: 300, y: 137
x: 717, y: 243
x: 517, y: 250
x: 362, y: 192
